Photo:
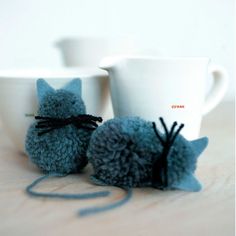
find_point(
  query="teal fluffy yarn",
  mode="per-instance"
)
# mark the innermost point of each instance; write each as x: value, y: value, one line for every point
x: 61, y: 150
x: 58, y: 140
x: 122, y: 150
x: 131, y: 152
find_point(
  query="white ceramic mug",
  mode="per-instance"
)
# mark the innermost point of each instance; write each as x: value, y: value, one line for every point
x: 18, y: 96
x: 88, y: 51
x: 172, y: 88
x: 83, y: 51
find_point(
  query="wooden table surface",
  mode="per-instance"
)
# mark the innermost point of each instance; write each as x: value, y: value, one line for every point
x: 150, y: 212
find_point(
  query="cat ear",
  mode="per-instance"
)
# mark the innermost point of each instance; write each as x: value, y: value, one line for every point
x: 199, y: 145
x: 188, y: 183
x: 43, y: 88
x: 74, y: 86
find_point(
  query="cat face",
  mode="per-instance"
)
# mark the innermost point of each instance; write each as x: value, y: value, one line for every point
x: 174, y: 169
x: 61, y: 103
x: 182, y: 162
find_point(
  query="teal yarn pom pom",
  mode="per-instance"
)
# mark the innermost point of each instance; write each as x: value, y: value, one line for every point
x: 58, y: 140
x: 121, y: 153
x: 61, y: 150
x: 131, y: 152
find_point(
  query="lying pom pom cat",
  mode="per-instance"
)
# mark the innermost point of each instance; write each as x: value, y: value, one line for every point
x: 131, y: 152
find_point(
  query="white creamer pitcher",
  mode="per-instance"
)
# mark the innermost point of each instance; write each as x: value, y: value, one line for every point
x: 172, y: 88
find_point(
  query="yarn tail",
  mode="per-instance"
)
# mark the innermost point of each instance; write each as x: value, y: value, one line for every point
x: 95, y: 210
x: 31, y: 192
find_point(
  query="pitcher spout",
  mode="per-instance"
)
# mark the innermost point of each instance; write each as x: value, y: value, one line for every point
x: 59, y: 43
x: 108, y: 63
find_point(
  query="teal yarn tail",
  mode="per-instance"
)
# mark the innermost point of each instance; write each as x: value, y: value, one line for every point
x: 31, y: 192
x: 94, y: 210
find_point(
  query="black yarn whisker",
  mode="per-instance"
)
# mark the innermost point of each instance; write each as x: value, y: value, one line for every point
x: 87, y: 124
x: 176, y: 133
x: 50, y: 121
x: 172, y: 130
x: 165, y: 128
x: 83, y: 118
x: 90, y: 123
x: 169, y: 144
x: 61, y: 126
x: 170, y: 138
x: 45, y: 118
x: 90, y: 117
x: 48, y: 124
x: 52, y: 124
x: 86, y: 127
x: 157, y: 134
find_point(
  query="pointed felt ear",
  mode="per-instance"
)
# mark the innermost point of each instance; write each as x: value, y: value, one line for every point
x: 74, y: 86
x: 199, y: 145
x: 43, y: 88
x: 188, y: 183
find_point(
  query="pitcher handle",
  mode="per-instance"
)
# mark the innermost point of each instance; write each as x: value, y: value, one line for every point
x: 218, y: 89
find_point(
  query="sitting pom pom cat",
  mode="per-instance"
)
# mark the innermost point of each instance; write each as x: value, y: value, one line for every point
x: 57, y: 143
x: 131, y: 152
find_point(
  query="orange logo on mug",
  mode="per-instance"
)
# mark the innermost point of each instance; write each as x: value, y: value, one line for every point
x: 177, y: 106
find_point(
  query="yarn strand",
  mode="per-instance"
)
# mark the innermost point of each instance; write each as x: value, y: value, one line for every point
x: 31, y: 192
x: 94, y: 210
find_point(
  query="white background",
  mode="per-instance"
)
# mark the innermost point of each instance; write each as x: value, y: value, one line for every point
x: 29, y: 28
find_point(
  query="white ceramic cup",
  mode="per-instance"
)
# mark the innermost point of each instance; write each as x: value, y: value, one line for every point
x: 88, y: 51
x: 82, y: 51
x: 172, y: 88
x: 18, y: 96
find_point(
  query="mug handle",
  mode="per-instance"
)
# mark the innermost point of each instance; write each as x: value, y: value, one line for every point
x: 219, y: 87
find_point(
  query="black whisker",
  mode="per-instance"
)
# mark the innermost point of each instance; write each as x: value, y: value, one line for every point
x: 176, y: 133
x: 87, y: 127
x: 160, y: 165
x: 47, y: 124
x: 89, y: 118
x: 165, y: 127
x: 45, y: 118
x: 172, y: 129
x: 157, y: 134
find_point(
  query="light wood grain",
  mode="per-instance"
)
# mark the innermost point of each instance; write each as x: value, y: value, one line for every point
x: 150, y: 212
